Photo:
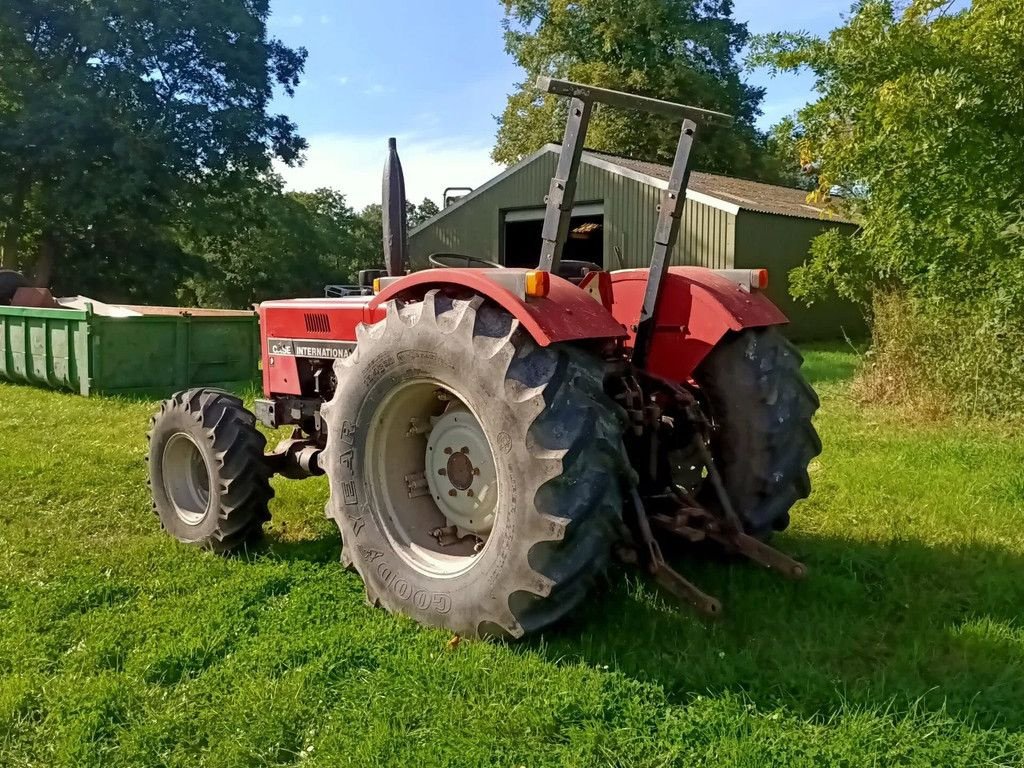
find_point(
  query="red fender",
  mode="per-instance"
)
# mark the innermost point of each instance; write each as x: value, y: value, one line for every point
x: 698, y: 307
x: 567, y: 313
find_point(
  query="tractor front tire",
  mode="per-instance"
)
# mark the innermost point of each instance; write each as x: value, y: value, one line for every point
x: 448, y: 417
x: 763, y: 438
x: 209, y: 482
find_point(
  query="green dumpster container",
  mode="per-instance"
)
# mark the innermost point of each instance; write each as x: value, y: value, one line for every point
x: 163, y: 350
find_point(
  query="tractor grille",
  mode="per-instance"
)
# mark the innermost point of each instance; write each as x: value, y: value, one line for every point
x: 317, y: 323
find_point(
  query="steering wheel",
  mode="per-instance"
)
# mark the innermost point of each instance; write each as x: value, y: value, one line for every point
x: 440, y: 259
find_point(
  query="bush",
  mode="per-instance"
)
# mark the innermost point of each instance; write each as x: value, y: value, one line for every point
x: 918, y: 126
x: 944, y: 357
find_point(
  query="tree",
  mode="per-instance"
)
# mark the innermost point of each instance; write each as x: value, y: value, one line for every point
x: 110, y: 110
x: 257, y: 242
x: 420, y: 213
x: 787, y: 147
x: 918, y: 125
x: 372, y: 218
x: 373, y: 228
x: 681, y: 50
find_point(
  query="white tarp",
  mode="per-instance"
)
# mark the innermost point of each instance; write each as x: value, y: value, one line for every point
x: 98, y: 307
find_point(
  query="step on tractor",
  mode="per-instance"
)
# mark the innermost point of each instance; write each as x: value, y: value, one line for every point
x: 493, y: 437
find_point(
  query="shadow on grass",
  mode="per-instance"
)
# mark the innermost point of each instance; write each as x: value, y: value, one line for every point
x: 325, y: 548
x: 872, y: 625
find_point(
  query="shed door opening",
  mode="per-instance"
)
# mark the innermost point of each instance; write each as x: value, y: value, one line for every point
x: 522, y: 236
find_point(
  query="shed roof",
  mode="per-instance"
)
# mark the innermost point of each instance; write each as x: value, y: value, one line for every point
x: 743, y: 193
x: 723, y: 192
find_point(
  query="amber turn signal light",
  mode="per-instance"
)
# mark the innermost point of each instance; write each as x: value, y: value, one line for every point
x: 538, y: 283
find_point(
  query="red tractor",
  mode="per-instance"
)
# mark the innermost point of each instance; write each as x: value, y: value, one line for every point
x: 493, y: 436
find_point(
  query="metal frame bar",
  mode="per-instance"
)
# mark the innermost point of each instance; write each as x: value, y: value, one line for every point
x: 562, y: 192
x: 592, y: 94
x: 666, y: 233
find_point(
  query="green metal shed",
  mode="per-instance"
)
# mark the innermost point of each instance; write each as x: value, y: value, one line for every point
x: 727, y: 224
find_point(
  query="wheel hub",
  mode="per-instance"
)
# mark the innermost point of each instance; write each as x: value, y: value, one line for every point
x: 460, y: 471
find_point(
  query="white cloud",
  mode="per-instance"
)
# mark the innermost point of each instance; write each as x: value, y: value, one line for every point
x: 354, y: 165
x: 325, y: 19
x: 295, y: 20
x: 341, y: 79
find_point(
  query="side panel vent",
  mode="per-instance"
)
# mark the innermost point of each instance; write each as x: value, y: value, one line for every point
x: 317, y: 323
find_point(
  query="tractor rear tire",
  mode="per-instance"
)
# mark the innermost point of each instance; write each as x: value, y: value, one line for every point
x: 10, y: 282
x: 532, y: 431
x: 209, y: 481
x: 764, y: 439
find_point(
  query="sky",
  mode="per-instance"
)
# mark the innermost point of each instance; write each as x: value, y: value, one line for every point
x: 434, y: 74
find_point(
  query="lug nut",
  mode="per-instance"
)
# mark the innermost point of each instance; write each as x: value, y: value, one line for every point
x: 442, y: 472
x: 453, y: 492
x: 447, y: 450
x: 470, y: 493
x: 464, y: 450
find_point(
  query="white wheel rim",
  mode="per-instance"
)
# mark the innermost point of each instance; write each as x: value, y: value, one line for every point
x: 461, y: 473
x: 413, y: 498
x: 186, y: 478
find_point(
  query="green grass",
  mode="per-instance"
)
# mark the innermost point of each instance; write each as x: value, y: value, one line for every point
x: 904, y: 647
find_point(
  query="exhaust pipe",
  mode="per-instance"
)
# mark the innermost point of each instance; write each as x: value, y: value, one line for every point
x: 393, y: 214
